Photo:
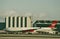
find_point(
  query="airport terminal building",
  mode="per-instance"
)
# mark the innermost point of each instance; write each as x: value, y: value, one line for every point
x: 24, y: 21
x: 44, y: 23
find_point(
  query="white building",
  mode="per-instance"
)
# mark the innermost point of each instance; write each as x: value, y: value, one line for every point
x: 18, y: 22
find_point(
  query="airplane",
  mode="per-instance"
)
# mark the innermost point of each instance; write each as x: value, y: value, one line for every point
x: 22, y: 30
x: 34, y: 29
x: 50, y: 29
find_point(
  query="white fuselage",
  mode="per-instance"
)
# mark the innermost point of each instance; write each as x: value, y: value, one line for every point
x: 21, y: 29
x: 46, y: 29
x: 43, y: 29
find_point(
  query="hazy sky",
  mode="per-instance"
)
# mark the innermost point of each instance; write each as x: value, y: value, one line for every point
x: 38, y: 9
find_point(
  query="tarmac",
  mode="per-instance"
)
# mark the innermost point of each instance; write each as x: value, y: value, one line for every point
x: 28, y: 36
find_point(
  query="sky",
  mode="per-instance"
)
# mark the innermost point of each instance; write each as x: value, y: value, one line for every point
x: 37, y: 9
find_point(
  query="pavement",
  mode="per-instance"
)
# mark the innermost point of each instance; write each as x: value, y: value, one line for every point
x: 26, y: 38
x: 30, y: 35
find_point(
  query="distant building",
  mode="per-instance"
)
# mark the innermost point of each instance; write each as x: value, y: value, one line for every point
x: 2, y: 25
x: 44, y: 23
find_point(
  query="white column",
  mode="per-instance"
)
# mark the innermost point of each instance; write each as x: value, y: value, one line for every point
x: 19, y: 21
x: 15, y: 22
x: 7, y: 22
x: 11, y: 22
x: 23, y: 21
x: 29, y: 24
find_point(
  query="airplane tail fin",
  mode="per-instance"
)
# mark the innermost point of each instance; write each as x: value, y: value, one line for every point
x: 53, y: 24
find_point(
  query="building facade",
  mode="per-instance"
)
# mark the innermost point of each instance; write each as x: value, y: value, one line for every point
x: 18, y: 22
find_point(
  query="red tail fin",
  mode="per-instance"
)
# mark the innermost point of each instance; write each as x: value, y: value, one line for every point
x: 53, y: 24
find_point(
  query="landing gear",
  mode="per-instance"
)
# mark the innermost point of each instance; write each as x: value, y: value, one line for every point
x: 29, y: 33
x: 56, y: 33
